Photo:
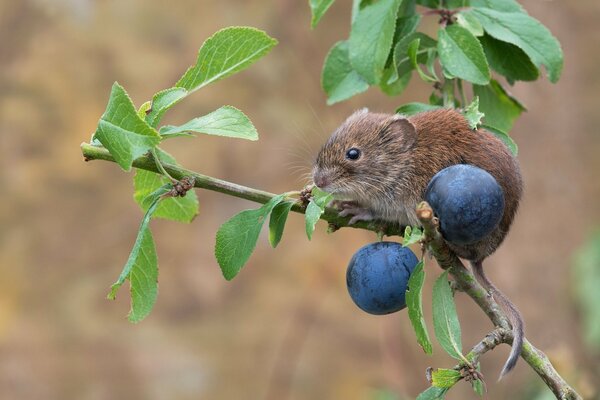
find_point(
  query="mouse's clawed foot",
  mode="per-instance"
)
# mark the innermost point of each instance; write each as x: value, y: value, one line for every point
x: 350, y: 208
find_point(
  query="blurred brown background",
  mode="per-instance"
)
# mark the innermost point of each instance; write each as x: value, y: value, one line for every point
x: 285, y: 328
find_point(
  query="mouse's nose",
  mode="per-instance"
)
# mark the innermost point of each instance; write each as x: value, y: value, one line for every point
x: 321, y: 179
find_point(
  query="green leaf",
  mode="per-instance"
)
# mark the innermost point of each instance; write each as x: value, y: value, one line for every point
x: 429, y: 3
x: 371, y: 38
x: 144, y: 109
x: 414, y: 301
x: 461, y: 55
x: 393, y: 87
x: 470, y: 23
x: 236, y: 238
x: 586, y: 281
x: 181, y: 209
x: 500, y: 109
x: 338, y: 79
x: 141, y: 268
x: 228, y: 51
x: 499, y: 5
x: 412, y: 235
x: 315, y: 208
x: 472, y: 113
x: 277, y: 221
x: 318, y: 8
x: 445, y: 319
x: 412, y: 52
x: 508, y: 60
x: 406, y: 25
x: 226, y: 121
x: 433, y: 393
x: 477, y: 384
x: 409, y: 109
x: 503, y: 136
x: 445, y: 378
x: 162, y: 101
x: 120, y: 129
x: 527, y: 33
x: 401, y: 58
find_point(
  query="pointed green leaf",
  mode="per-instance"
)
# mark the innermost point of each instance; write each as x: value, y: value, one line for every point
x: 477, y: 384
x: 141, y: 268
x: 393, y: 87
x: 503, y: 136
x: 472, y: 113
x: 412, y: 235
x: 433, y: 393
x: 318, y: 8
x: 401, y: 59
x: 500, y: 109
x: 445, y: 378
x: 414, y: 301
x: 228, y: 51
x: 226, y: 121
x: 527, y: 33
x: 409, y: 109
x: 182, y: 209
x: 470, y: 23
x: 338, y: 79
x: 412, y: 52
x: 371, y: 38
x: 508, y: 60
x: 120, y: 129
x: 236, y: 238
x: 461, y: 55
x: 162, y: 101
x: 144, y: 109
x: 315, y: 208
x: 445, y: 319
x: 277, y: 221
x: 406, y: 25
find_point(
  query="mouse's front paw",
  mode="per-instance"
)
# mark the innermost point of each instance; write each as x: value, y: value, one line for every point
x: 349, y: 208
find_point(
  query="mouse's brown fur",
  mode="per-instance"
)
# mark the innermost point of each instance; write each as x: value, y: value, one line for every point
x: 398, y: 158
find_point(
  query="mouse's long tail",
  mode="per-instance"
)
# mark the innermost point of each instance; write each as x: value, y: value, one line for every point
x: 514, y: 316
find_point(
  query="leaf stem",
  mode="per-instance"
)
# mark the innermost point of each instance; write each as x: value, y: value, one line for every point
x: 461, y: 92
x: 448, y: 93
x: 160, y: 167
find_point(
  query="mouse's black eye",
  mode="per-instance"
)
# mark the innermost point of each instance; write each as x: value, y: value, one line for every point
x: 353, y: 154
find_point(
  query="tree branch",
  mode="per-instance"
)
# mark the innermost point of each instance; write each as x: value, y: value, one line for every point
x: 466, y: 282
x: 148, y: 163
x: 463, y: 277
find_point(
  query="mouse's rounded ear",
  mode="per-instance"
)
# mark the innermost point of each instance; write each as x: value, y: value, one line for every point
x: 404, y: 129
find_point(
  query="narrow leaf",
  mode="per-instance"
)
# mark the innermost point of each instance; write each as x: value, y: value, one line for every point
x: 277, y: 221
x: 477, y: 384
x: 121, y: 130
x: 409, y: 109
x: 401, y: 58
x: 445, y: 378
x: 412, y: 52
x: 228, y: 51
x: 371, y: 38
x: 461, y: 55
x: 414, y: 301
x: 527, y: 33
x: 162, y: 101
x: 472, y: 113
x: 141, y: 267
x: 181, y: 209
x: 226, y: 121
x: 500, y: 109
x: 236, y: 238
x: 503, y: 136
x: 433, y: 393
x: 318, y: 8
x: 338, y: 79
x: 314, y: 209
x: 445, y: 319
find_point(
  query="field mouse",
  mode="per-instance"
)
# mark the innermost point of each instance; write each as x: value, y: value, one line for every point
x: 379, y: 165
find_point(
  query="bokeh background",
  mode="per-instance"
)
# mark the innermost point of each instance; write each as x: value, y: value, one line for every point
x: 285, y: 328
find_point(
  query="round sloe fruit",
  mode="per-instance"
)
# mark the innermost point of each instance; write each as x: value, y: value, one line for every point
x: 377, y: 277
x: 467, y: 200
